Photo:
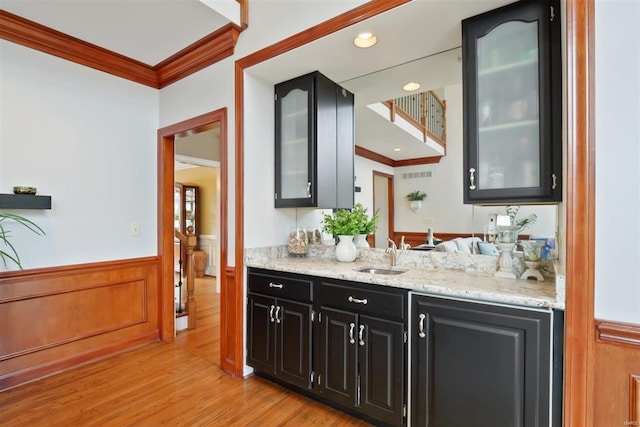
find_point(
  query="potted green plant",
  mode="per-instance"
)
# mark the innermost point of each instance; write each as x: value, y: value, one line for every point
x: 345, y: 224
x: 366, y: 225
x: 8, y: 251
x: 415, y: 199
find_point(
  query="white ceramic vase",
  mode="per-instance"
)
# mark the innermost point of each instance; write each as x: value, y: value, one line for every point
x: 346, y: 251
x: 360, y: 240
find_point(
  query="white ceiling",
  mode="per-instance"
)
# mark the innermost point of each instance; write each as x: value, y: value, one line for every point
x: 409, y: 36
x: 146, y: 30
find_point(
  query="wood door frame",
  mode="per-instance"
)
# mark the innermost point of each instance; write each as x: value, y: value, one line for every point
x: 390, y: 201
x: 166, y: 178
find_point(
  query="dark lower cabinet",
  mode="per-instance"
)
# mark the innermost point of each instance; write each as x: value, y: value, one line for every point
x: 279, y: 329
x: 362, y: 357
x: 479, y: 365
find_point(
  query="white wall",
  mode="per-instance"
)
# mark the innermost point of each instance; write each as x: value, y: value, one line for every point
x: 617, y: 290
x: 88, y: 139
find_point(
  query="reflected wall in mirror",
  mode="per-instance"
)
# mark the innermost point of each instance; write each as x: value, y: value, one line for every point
x: 443, y: 209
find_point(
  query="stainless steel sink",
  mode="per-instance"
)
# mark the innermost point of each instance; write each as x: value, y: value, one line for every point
x: 381, y: 270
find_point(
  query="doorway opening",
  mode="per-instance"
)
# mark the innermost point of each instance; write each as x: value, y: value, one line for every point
x: 170, y: 140
x: 383, y: 205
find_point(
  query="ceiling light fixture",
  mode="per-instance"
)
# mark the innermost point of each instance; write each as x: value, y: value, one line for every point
x: 396, y: 149
x: 410, y: 87
x: 365, y: 40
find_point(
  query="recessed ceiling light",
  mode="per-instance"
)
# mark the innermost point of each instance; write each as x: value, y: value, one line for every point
x: 409, y: 87
x: 396, y: 149
x: 365, y: 40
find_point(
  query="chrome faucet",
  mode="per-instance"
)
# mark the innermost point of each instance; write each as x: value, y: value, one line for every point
x: 392, y: 250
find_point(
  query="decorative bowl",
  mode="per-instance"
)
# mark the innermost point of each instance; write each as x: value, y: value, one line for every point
x: 24, y: 190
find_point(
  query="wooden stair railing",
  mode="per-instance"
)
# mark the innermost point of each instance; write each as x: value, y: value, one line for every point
x: 190, y: 241
x: 425, y: 111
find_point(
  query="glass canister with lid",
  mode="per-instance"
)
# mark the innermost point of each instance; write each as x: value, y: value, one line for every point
x: 298, y: 243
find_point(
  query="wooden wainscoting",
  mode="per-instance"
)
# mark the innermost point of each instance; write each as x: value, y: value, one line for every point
x: 56, y: 318
x: 616, y: 394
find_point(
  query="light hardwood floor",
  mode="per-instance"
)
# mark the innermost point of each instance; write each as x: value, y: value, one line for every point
x: 176, y: 384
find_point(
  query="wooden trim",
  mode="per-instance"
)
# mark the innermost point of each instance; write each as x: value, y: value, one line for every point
x: 235, y: 313
x: 417, y: 161
x: 618, y: 333
x: 231, y: 332
x: 35, y: 36
x: 244, y: 13
x: 206, y: 51
x: 372, y: 155
x: 166, y: 233
x: 379, y: 158
x: 580, y: 214
x: 634, y: 398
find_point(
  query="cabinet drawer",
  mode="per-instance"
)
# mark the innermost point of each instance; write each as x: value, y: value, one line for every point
x: 282, y: 285
x: 381, y: 302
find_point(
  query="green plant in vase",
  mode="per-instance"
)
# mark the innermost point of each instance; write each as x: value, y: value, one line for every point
x: 8, y: 251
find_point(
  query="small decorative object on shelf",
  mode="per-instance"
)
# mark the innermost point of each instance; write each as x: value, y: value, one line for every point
x: 532, y: 252
x: 24, y: 190
x: 298, y: 242
x: 507, y: 236
x: 415, y: 200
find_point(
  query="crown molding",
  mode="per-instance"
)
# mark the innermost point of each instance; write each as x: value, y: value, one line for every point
x: 372, y: 155
x: 35, y: 36
x: 204, y: 52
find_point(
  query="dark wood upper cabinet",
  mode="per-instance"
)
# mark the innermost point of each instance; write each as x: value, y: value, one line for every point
x: 314, y: 143
x: 512, y: 104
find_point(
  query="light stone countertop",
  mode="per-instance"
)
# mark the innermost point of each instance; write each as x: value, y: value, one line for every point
x: 454, y: 275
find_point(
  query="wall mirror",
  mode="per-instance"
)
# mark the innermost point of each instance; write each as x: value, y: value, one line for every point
x: 419, y: 41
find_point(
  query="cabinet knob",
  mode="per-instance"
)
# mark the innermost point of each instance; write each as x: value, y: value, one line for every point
x: 351, y: 328
x: 360, y: 335
x: 421, y: 333
x: 472, y: 179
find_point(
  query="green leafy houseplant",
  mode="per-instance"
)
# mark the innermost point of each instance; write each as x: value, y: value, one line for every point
x: 366, y: 224
x: 416, y: 196
x: 8, y: 251
x: 349, y: 223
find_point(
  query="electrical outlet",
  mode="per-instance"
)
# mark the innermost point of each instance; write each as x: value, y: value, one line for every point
x: 134, y: 229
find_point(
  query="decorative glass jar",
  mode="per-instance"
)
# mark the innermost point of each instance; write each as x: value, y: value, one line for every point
x: 298, y: 243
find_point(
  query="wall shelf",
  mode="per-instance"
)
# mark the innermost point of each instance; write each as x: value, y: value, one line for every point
x: 24, y: 201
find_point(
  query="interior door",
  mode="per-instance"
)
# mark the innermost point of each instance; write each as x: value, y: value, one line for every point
x: 383, y: 205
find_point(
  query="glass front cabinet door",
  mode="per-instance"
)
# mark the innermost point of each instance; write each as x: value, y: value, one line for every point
x: 314, y: 145
x: 512, y: 104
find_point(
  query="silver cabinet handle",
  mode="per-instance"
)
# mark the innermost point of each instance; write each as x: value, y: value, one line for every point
x: 421, y: 333
x: 309, y: 189
x: 277, y: 314
x: 554, y: 181
x: 357, y: 301
x: 275, y: 285
x: 472, y: 179
x: 360, y: 337
x: 271, y: 314
x: 351, y: 339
